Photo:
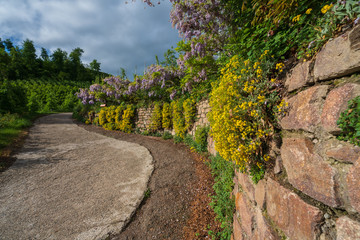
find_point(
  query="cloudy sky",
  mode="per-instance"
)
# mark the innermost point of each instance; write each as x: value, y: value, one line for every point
x: 114, y: 33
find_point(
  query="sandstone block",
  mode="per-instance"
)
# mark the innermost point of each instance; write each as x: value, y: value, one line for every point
x: 246, y: 213
x: 260, y: 191
x: 237, y: 231
x: 339, y: 57
x: 347, y: 229
x: 308, y: 172
x: 246, y: 185
x: 299, y: 77
x: 344, y: 153
x: 297, y: 219
x: 353, y: 183
x: 305, y: 109
x: 211, y: 146
x: 263, y: 229
x: 336, y: 102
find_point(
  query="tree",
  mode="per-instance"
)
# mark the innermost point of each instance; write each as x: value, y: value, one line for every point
x: 44, y: 54
x: 95, y: 67
x: 28, y: 53
x: 2, y: 46
x: 8, y: 44
x: 58, y: 59
x: 76, y: 67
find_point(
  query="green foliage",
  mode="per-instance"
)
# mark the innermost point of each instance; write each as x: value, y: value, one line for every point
x: 11, y: 126
x: 349, y: 122
x: 37, y: 96
x: 166, y: 135
x: 178, y: 139
x: 147, y: 194
x: 80, y: 112
x: 201, y: 136
x: 223, y: 202
x: 12, y: 97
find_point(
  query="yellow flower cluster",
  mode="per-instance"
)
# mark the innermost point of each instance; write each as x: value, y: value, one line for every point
x: 237, y: 124
x: 282, y: 106
x: 189, y: 106
x: 178, y: 118
x: 126, y: 124
x: 110, y: 114
x: 119, y: 112
x: 326, y: 8
x: 166, y: 116
x: 296, y: 18
x: 102, y: 117
x: 117, y: 117
x: 308, y: 11
x: 280, y: 66
x: 156, y: 118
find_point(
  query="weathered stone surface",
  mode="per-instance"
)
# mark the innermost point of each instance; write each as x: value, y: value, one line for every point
x: 336, y: 102
x: 308, y: 172
x: 246, y: 184
x: 344, y: 153
x: 339, y: 57
x: 277, y: 168
x: 347, y: 229
x: 263, y: 229
x: 297, y: 219
x: 299, y: 77
x: 237, y: 231
x: 353, y: 183
x: 260, y: 191
x: 246, y: 213
x: 211, y: 146
x: 305, y: 109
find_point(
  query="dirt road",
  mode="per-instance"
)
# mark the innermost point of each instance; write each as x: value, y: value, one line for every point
x: 68, y: 183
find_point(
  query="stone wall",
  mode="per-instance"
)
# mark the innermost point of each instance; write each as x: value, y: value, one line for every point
x: 143, y: 118
x: 313, y: 192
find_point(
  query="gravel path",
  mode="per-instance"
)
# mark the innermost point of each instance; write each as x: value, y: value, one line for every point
x: 68, y: 183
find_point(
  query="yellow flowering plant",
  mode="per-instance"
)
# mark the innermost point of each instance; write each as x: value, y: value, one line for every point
x: 178, y: 118
x: 166, y: 116
x: 156, y: 118
x: 243, y: 113
x: 126, y: 124
x: 189, y: 106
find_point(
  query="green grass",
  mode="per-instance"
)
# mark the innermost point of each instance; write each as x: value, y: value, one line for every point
x: 222, y: 202
x: 11, y: 126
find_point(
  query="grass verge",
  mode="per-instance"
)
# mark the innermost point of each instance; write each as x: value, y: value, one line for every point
x: 13, y: 131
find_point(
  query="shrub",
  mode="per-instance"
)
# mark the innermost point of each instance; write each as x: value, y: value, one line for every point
x: 102, y: 116
x: 166, y: 116
x: 119, y: 111
x: 126, y: 124
x: 189, y: 107
x: 178, y: 118
x: 201, y: 136
x: 349, y: 122
x: 243, y: 111
x: 166, y: 135
x: 156, y: 118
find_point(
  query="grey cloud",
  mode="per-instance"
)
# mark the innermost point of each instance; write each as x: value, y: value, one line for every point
x: 114, y: 33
